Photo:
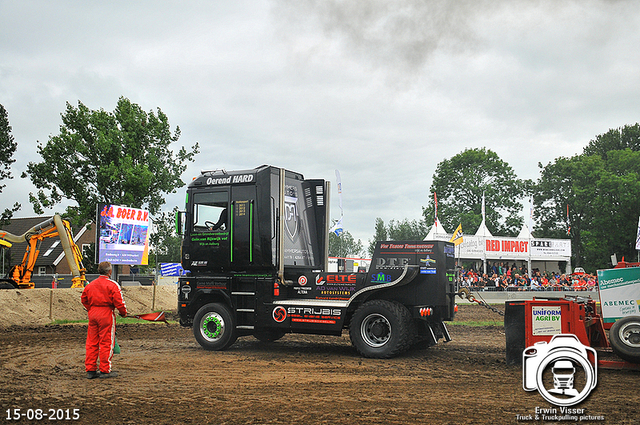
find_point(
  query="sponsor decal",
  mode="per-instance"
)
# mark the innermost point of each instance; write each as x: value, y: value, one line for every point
x: 449, y: 250
x: 391, y: 262
x: 619, y: 292
x: 418, y: 247
x: 336, y: 279
x: 335, y: 286
x: 428, y: 261
x: 380, y: 278
x: 279, y: 314
x: 242, y: 178
x: 302, y: 280
x: 546, y: 320
x: 495, y: 245
x: 314, y: 311
x: 318, y: 315
x: 291, y: 215
x: 210, y: 286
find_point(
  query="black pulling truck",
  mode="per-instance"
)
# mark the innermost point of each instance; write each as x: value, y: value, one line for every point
x: 255, y: 251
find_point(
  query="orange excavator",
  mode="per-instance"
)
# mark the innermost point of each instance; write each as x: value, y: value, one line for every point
x: 20, y: 275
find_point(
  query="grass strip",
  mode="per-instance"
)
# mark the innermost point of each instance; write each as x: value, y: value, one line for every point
x: 478, y: 323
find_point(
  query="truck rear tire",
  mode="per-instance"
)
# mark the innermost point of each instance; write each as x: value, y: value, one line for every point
x: 381, y: 329
x: 214, y: 327
x: 624, y: 336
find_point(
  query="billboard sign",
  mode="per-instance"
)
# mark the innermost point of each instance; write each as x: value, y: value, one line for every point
x: 619, y: 292
x: 123, y: 235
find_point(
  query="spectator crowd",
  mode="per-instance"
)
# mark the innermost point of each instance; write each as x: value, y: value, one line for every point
x: 502, y: 277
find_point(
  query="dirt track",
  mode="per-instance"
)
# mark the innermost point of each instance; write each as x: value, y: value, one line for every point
x: 166, y: 378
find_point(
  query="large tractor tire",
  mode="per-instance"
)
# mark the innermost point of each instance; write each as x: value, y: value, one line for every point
x: 381, y: 329
x: 214, y: 327
x: 624, y: 336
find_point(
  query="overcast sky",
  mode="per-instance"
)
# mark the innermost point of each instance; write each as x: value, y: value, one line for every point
x: 380, y: 90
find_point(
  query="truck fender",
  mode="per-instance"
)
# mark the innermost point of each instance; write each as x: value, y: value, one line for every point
x: 408, y: 274
x: 207, y: 296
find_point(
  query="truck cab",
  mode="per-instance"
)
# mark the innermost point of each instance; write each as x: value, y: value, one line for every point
x: 255, y: 248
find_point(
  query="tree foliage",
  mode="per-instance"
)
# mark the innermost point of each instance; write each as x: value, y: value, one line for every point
x: 380, y: 234
x: 398, y: 230
x: 561, y: 205
x: 345, y: 246
x: 165, y: 242
x: 594, y: 199
x: 8, y: 147
x: 626, y: 137
x: 122, y: 157
x: 459, y: 184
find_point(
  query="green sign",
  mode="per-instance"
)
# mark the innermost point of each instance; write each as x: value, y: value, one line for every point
x: 619, y: 292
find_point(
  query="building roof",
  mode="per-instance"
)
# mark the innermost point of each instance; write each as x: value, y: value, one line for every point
x: 50, y: 248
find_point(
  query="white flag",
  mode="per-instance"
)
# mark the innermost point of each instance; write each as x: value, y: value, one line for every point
x: 337, y: 228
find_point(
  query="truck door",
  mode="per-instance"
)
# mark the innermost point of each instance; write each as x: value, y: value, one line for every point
x: 209, y: 235
x: 244, y: 243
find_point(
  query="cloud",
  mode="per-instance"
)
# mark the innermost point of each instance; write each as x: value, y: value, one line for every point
x: 382, y: 91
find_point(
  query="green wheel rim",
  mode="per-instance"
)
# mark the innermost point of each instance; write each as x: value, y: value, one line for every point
x: 212, y: 327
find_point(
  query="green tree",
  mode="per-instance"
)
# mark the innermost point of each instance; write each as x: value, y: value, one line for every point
x: 563, y: 200
x: 8, y: 147
x: 626, y: 137
x: 165, y: 242
x: 616, y: 205
x: 459, y: 184
x: 398, y: 230
x: 595, y: 195
x: 379, y: 235
x: 344, y: 245
x: 407, y: 230
x: 122, y: 157
x: 89, y: 259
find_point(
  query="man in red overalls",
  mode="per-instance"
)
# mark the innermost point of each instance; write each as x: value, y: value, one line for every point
x: 101, y: 297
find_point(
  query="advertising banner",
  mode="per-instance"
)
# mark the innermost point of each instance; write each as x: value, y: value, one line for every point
x: 123, y: 235
x: 498, y: 247
x: 619, y: 292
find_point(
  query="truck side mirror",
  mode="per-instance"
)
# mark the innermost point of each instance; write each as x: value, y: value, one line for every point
x: 180, y: 222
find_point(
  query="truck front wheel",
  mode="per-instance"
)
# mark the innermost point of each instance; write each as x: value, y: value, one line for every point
x: 214, y: 327
x: 624, y: 336
x: 381, y: 329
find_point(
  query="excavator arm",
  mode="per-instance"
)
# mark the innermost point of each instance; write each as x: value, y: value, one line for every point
x: 20, y: 275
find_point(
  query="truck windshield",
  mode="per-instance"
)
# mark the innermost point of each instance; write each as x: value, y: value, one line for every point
x: 210, y: 211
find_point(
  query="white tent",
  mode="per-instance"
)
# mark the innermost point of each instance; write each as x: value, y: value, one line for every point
x: 436, y: 229
x: 483, y: 231
x: 524, y: 233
